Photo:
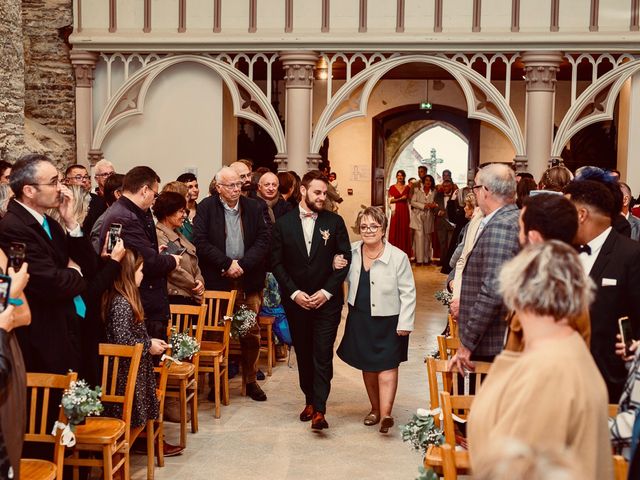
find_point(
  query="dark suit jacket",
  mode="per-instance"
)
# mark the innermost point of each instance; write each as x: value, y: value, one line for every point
x: 296, y: 270
x: 618, y: 263
x: 209, y: 237
x: 482, y: 313
x: 139, y: 234
x: 446, y: 222
x: 52, y: 342
x: 97, y: 206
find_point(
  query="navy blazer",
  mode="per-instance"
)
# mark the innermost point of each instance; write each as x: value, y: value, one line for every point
x: 482, y: 313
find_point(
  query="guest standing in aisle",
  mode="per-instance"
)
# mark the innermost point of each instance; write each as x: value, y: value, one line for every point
x: 399, y: 230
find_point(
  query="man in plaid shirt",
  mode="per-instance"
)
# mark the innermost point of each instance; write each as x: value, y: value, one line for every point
x: 481, y: 316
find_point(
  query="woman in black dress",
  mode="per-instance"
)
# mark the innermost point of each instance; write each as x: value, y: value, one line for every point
x: 382, y: 300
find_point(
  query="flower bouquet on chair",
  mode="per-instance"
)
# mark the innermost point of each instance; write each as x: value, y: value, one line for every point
x: 421, y: 431
x: 444, y: 297
x: 79, y: 401
x: 243, y: 320
x: 183, y: 347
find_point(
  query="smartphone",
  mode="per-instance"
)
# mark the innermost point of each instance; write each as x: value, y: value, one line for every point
x: 173, y: 248
x: 114, y: 234
x: 17, y: 252
x: 624, y: 324
x: 5, y: 288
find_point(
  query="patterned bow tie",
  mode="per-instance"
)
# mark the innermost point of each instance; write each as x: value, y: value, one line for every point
x: 583, y: 249
x: 304, y: 215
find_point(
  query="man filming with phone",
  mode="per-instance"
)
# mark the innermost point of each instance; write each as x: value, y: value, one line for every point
x: 138, y: 232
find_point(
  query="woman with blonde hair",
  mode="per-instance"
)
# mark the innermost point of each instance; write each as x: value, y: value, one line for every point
x: 551, y: 394
x: 382, y: 302
x: 81, y: 199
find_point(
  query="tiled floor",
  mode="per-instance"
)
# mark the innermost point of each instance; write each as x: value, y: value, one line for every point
x: 267, y: 441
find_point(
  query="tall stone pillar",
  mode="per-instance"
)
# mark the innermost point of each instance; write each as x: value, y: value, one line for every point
x: 299, y: 68
x: 540, y: 75
x: 84, y: 64
x: 628, y: 139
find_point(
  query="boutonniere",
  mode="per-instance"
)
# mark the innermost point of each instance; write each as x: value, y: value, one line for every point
x: 325, y: 235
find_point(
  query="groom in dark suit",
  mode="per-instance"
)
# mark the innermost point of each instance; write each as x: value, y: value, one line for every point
x: 613, y: 263
x: 305, y: 242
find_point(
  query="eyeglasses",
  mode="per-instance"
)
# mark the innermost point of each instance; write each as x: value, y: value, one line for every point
x: 155, y: 194
x: 369, y: 228
x: 476, y: 186
x: 106, y: 174
x: 80, y: 178
x: 232, y: 186
x: 53, y: 183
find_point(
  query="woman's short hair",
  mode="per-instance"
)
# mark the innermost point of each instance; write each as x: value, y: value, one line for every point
x: 167, y: 204
x: 470, y: 200
x: 555, y: 178
x: 5, y: 196
x: 376, y: 213
x: 546, y: 279
x: 177, y: 187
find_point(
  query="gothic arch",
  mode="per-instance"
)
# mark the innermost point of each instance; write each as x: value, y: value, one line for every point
x: 251, y: 103
x: 595, y: 104
x: 478, y: 91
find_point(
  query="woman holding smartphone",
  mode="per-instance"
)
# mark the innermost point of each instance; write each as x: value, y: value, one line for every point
x: 184, y: 284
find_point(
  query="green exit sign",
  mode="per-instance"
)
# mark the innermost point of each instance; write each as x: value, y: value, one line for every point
x: 426, y: 106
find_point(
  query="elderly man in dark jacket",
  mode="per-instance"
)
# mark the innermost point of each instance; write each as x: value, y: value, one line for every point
x: 140, y: 190
x: 232, y: 240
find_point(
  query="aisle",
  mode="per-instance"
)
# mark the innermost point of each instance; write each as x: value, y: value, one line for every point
x: 267, y: 441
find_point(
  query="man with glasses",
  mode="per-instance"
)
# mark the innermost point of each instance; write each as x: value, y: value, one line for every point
x: 58, y: 263
x: 132, y: 211
x: 232, y: 243
x: 97, y: 206
x: 77, y: 174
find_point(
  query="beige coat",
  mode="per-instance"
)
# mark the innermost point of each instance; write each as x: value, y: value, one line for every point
x: 552, y: 397
x: 183, y: 279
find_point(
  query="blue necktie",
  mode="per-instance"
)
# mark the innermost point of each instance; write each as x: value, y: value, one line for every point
x: 78, y: 302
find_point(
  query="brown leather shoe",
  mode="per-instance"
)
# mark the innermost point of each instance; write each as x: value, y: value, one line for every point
x: 318, y: 422
x: 386, y: 424
x: 307, y: 413
x: 171, y: 450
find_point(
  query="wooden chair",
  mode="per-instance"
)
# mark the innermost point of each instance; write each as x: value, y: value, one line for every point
x: 183, y: 379
x: 39, y: 387
x: 453, y: 327
x: 448, y: 462
x: 266, y: 340
x: 109, y: 436
x: 447, y: 346
x: 214, y: 349
x: 620, y: 468
x: 613, y: 409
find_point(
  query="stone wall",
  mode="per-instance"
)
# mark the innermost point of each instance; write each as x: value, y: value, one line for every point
x: 48, y: 77
x: 11, y: 80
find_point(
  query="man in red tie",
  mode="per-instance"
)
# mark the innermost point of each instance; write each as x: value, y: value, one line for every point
x: 305, y: 240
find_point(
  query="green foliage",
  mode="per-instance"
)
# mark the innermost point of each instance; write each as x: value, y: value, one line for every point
x: 80, y: 401
x: 182, y: 345
x: 421, y: 431
x: 242, y: 322
x: 427, y: 474
x: 443, y: 297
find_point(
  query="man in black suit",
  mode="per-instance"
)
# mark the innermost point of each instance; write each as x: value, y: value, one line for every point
x: 58, y: 262
x: 613, y: 263
x: 445, y: 218
x: 305, y: 242
x: 232, y: 242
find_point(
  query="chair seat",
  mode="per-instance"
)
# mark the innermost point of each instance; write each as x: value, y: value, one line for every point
x: 34, y: 469
x: 266, y: 320
x: 433, y: 458
x: 182, y: 371
x: 100, y: 431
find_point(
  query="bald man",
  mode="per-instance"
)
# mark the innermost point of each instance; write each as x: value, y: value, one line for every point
x: 232, y: 242
x: 244, y: 172
x: 268, y: 192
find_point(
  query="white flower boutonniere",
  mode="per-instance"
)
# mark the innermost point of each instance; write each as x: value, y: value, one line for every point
x: 325, y: 235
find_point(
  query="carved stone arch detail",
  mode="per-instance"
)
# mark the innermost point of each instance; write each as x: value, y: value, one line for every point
x: 595, y: 104
x: 249, y: 101
x: 500, y: 114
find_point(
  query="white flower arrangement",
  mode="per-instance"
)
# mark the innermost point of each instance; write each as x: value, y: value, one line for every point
x: 79, y: 401
x: 183, y: 346
x: 242, y: 322
x: 421, y: 430
x: 444, y: 297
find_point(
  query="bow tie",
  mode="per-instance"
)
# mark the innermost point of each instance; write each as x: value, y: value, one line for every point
x: 583, y: 249
x: 304, y: 215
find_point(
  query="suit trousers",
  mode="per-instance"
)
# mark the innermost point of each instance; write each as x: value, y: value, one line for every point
x: 314, y: 333
x: 422, y: 244
x: 250, y: 343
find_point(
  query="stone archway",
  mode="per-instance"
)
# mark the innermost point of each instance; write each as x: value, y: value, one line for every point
x: 249, y: 101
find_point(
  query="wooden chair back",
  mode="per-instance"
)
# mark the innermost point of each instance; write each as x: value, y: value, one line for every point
x: 453, y: 327
x: 188, y: 319
x: 220, y: 304
x: 447, y: 346
x: 113, y: 358
x: 439, y: 374
x: 162, y: 377
x: 613, y: 409
x: 39, y: 393
x: 459, y: 405
x: 449, y: 468
x: 620, y: 468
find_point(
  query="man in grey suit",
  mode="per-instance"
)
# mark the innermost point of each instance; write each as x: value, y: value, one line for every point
x: 481, y: 316
x: 626, y: 213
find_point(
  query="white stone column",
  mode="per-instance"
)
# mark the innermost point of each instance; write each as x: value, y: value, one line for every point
x: 540, y: 75
x: 299, y: 69
x: 84, y: 64
x: 628, y: 138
